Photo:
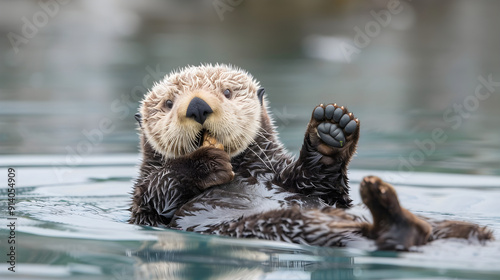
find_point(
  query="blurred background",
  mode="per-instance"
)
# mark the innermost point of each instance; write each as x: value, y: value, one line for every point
x: 422, y: 76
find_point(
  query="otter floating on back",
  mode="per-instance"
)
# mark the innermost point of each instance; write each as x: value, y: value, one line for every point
x: 212, y: 163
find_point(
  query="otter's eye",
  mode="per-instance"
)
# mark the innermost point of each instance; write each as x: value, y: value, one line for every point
x: 227, y: 93
x: 169, y: 104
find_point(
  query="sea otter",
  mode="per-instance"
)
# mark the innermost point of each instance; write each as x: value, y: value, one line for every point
x: 212, y: 163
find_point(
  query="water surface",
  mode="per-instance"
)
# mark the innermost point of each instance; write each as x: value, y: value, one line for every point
x: 74, y: 227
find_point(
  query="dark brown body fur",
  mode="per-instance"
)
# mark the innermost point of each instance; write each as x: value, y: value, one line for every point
x: 314, y: 179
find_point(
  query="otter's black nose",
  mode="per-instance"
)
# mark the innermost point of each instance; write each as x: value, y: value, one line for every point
x: 199, y: 110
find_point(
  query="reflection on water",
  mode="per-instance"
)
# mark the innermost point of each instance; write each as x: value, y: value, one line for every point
x: 175, y: 256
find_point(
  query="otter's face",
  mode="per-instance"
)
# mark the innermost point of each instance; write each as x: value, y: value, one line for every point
x: 217, y: 99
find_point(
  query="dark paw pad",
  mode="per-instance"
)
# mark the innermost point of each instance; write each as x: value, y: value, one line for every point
x: 335, y: 124
x: 331, y: 134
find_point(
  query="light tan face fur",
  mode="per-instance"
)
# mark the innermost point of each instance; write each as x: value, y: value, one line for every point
x: 234, y: 122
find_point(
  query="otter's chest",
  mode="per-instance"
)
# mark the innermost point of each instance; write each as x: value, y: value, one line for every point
x: 235, y: 200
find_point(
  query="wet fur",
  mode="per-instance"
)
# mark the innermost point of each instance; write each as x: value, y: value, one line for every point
x: 254, y: 188
x: 167, y: 181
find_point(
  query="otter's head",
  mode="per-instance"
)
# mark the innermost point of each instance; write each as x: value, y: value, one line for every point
x: 220, y: 101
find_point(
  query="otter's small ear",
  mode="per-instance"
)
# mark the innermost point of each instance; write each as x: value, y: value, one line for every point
x: 260, y: 94
x: 138, y: 118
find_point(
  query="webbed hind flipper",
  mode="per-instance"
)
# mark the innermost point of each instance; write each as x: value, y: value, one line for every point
x: 394, y: 227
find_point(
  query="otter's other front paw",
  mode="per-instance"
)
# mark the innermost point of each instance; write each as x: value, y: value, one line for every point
x: 212, y: 167
x: 333, y: 128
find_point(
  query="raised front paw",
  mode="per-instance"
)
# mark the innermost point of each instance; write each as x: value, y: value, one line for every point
x: 212, y: 166
x: 334, y: 126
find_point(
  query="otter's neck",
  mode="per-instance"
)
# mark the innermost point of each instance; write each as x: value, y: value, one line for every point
x: 150, y: 158
x: 266, y: 153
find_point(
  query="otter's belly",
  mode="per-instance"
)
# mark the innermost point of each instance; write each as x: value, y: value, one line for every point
x: 233, y: 201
